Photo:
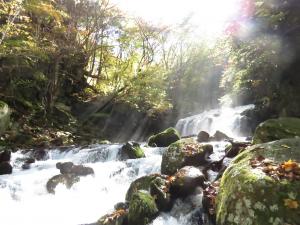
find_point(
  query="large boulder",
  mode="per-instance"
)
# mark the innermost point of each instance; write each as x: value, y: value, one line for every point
x: 165, y: 138
x: 27, y: 163
x: 131, y: 150
x: 261, y: 186
x: 186, y: 180
x: 275, y: 129
x: 4, y: 117
x: 67, y: 179
x: 185, y: 152
x: 142, y: 209
x: 203, y: 136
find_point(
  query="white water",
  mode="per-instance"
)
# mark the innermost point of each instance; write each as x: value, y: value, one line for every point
x: 227, y: 120
x: 24, y: 198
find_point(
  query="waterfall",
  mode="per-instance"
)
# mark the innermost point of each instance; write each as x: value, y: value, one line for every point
x: 227, y: 120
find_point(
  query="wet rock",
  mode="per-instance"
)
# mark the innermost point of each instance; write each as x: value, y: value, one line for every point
x: 131, y: 150
x: 185, y: 152
x: 186, y: 180
x: 118, y: 217
x: 26, y: 162
x: 142, y: 183
x: 142, y: 209
x: 40, y: 154
x: 77, y: 170
x: 219, y: 136
x: 5, y: 156
x: 165, y: 138
x: 65, y: 167
x: 159, y: 188
x: 26, y: 166
x: 67, y: 179
x: 80, y: 170
x: 235, y: 147
x: 258, y: 193
x: 275, y: 129
x: 29, y: 160
x: 203, y: 136
x: 5, y: 168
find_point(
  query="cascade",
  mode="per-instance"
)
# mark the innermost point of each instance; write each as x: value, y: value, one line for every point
x: 227, y: 120
x: 25, y: 200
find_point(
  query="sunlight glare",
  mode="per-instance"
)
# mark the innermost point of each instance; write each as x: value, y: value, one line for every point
x: 209, y: 17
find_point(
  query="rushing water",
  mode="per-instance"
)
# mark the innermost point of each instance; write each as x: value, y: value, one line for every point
x: 227, y: 120
x: 25, y: 200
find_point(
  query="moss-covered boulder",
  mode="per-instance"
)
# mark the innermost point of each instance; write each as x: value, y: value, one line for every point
x: 4, y: 117
x: 275, y: 129
x: 185, y: 152
x: 131, y: 150
x: 142, y: 209
x: 251, y: 194
x: 142, y: 183
x: 165, y: 138
x: 118, y: 217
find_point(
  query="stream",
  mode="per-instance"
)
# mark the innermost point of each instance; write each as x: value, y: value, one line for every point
x: 25, y: 200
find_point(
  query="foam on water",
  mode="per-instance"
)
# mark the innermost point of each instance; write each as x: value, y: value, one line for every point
x: 24, y: 198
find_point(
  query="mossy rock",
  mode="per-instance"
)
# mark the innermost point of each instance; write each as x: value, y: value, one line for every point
x: 142, y: 183
x: 248, y: 196
x: 275, y: 129
x: 4, y: 117
x: 165, y: 138
x: 185, y: 152
x: 132, y: 150
x: 142, y: 209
